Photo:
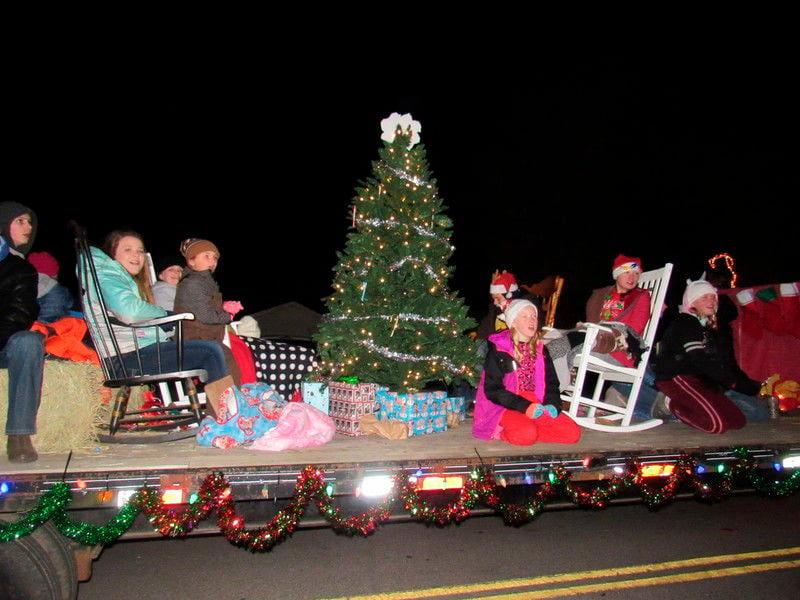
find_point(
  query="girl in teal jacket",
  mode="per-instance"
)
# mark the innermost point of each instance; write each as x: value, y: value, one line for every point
x: 121, y: 275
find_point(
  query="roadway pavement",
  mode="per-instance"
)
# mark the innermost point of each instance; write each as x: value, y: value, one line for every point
x: 744, y: 547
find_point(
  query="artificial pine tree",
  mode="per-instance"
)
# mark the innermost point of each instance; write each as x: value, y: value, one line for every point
x: 392, y: 319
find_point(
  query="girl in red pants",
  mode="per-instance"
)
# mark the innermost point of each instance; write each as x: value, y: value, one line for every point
x: 518, y: 396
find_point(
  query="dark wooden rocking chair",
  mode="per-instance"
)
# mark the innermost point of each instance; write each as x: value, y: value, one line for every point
x: 136, y: 426
x: 549, y: 290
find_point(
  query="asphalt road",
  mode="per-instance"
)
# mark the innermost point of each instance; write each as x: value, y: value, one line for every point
x: 745, y: 547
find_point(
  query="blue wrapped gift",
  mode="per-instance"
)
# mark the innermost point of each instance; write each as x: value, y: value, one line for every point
x: 316, y: 394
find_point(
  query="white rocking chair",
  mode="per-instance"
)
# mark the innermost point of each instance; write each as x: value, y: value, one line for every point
x: 582, y: 408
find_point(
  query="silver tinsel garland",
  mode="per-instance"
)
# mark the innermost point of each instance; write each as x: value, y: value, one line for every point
x: 401, y: 316
x: 426, y: 267
x: 403, y: 174
x: 418, y: 228
x: 389, y: 353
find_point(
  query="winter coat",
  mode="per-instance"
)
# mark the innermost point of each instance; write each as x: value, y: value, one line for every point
x: 123, y: 301
x: 164, y: 294
x: 198, y: 293
x: 690, y: 348
x: 497, y: 390
x: 18, y: 305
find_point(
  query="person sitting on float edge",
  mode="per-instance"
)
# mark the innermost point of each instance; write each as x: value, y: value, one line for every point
x: 126, y: 289
x: 168, y: 273
x: 518, y: 398
x: 706, y: 387
x: 624, y: 307
x: 21, y: 351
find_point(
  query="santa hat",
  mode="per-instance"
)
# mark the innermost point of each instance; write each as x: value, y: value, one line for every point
x: 44, y: 263
x: 514, y: 309
x: 503, y: 283
x: 623, y: 264
x: 194, y: 246
x: 695, y: 289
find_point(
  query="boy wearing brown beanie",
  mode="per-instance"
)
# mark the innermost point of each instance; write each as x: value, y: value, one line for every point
x: 198, y: 293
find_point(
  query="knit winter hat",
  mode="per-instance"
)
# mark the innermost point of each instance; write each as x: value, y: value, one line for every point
x: 623, y: 264
x: 44, y: 263
x: 514, y: 309
x: 172, y: 260
x: 503, y: 283
x: 10, y: 211
x: 194, y: 246
x: 695, y: 289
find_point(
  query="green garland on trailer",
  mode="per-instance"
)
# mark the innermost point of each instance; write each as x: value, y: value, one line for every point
x: 215, y: 496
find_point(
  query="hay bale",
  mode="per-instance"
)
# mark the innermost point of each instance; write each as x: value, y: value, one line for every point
x: 71, y: 406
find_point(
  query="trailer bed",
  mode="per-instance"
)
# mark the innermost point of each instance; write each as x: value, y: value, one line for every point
x: 456, y: 444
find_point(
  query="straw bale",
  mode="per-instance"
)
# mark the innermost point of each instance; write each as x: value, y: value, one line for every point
x: 71, y: 406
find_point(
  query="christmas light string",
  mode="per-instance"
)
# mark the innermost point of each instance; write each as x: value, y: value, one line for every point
x: 215, y: 495
x: 729, y: 262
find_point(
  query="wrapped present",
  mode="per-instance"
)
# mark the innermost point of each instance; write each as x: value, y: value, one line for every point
x: 316, y: 394
x: 348, y: 403
x: 422, y: 412
x: 457, y: 406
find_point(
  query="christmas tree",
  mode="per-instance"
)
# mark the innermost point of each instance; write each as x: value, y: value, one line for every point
x: 392, y: 319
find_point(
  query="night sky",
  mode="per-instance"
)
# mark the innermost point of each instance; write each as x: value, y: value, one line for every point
x: 555, y: 170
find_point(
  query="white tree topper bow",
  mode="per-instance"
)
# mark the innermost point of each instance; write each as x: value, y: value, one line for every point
x: 405, y: 122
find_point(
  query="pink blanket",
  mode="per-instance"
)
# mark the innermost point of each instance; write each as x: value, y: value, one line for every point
x: 299, y: 426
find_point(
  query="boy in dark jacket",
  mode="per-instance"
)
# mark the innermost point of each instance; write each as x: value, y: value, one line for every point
x: 21, y: 351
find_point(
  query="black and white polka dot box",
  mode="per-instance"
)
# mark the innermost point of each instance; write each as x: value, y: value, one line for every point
x: 281, y: 364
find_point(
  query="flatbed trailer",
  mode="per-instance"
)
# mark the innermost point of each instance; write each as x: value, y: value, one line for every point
x: 103, y: 479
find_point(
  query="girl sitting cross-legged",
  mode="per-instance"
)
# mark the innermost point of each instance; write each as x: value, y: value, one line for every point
x: 518, y: 397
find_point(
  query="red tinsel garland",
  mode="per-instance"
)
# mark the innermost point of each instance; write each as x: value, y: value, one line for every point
x: 215, y: 495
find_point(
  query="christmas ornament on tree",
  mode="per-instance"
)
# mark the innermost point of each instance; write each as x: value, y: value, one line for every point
x: 391, y: 317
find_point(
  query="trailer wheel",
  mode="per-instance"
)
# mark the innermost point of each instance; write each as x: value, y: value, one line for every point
x: 38, y: 566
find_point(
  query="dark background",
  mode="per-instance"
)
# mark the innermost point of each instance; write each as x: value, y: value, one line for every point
x: 555, y: 169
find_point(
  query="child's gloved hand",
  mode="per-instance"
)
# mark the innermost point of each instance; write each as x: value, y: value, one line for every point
x: 535, y: 411
x: 232, y: 307
x: 550, y: 410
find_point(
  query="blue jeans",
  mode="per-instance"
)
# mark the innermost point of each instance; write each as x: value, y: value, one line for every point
x: 647, y: 395
x: 197, y: 354
x: 754, y: 409
x: 23, y: 356
x: 55, y: 304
